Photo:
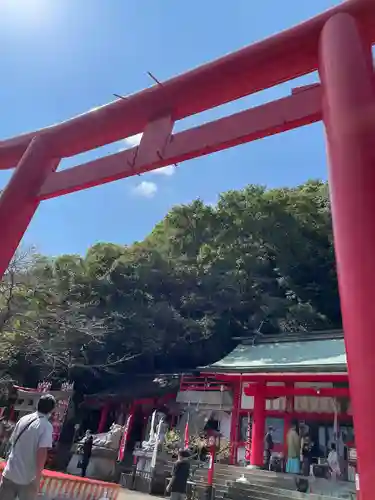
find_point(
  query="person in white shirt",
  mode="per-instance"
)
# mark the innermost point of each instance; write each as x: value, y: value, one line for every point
x: 30, y: 441
x: 333, y: 462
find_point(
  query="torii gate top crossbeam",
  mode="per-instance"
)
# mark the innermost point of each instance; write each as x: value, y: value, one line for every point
x: 264, y: 64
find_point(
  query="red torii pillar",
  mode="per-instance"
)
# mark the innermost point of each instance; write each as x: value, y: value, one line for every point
x: 349, y: 117
x: 19, y: 200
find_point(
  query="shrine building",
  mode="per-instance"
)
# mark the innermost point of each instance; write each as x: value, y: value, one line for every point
x: 271, y: 381
x: 264, y: 382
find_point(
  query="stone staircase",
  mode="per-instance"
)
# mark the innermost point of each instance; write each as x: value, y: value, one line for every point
x: 226, y: 475
x: 256, y: 491
x: 264, y: 485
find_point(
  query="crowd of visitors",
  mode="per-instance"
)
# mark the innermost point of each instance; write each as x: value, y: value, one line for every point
x: 300, y: 452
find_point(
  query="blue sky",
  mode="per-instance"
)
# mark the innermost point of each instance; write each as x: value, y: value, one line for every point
x: 64, y: 57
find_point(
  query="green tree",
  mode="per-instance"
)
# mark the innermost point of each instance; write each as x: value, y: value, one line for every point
x: 259, y: 262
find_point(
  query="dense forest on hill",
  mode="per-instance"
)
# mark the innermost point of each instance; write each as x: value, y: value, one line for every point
x: 259, y: 262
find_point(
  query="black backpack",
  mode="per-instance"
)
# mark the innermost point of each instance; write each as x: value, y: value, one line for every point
x: 302, y: 484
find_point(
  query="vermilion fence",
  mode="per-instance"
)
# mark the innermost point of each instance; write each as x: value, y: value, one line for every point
x: 56, y: 486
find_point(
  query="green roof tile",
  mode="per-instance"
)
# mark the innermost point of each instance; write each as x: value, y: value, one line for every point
x: 316, y: 355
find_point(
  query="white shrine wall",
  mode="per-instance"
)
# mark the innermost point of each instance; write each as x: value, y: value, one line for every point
x: 302, y: 404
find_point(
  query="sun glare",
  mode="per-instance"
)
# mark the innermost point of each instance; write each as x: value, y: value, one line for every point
x: 32, y: 12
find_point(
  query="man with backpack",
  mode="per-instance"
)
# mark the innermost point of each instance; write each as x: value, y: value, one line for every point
x: 30, y: 441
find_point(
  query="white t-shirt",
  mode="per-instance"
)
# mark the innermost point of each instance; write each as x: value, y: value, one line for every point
x: 21, y: 465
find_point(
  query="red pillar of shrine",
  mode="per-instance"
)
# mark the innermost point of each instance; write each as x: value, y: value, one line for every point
x: 19, y: 199
x: 258, y: 427
x: 289, y: 409
x: 103, y: 418
x: 234, y: 424
x: 349, y: 118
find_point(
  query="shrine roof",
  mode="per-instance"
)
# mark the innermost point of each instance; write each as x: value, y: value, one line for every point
x: 316, y: 354
x: 136, y: 387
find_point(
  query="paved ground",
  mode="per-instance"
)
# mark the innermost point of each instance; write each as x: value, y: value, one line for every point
x: 135, y: 495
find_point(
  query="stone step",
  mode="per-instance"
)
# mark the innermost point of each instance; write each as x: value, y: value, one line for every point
x: 261, y: 483
x: 265, y: 496
x: 220, y: 494
x: 254, y: 490
x: 232, y: 471
x: 261, y: 477
x: 243, y: 491
x: 269, y: 482
x: 203, y: 484
x: 255, y: 496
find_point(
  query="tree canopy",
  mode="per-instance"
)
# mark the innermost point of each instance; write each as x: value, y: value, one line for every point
x: 259, y: 262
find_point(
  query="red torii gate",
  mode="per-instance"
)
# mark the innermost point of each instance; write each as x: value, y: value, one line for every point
x: 338, y: 44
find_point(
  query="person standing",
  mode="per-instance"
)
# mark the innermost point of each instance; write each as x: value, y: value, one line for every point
x: 294, y: 449
x: 268, y: 447
x: 76, y: 431
x: 334, y: 463
x: 306, y: 455
x: 30, y: 442
x: 180, y: 476
x: 87, y: 451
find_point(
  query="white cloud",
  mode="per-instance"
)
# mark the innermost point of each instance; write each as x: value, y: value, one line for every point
x: 131, y: 142
x: 134, y: 140
x: 146, y: 189
x: 167, y: 171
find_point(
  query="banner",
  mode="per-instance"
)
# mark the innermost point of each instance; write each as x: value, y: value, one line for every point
x: 152, y: 426
x: 58, y: 417
x: 186, y: 436
x: 124, y: 439
x: 156, y: 445
x: 248, y: 439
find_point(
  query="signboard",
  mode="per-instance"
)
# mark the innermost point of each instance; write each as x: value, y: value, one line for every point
x: 58, y: 417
